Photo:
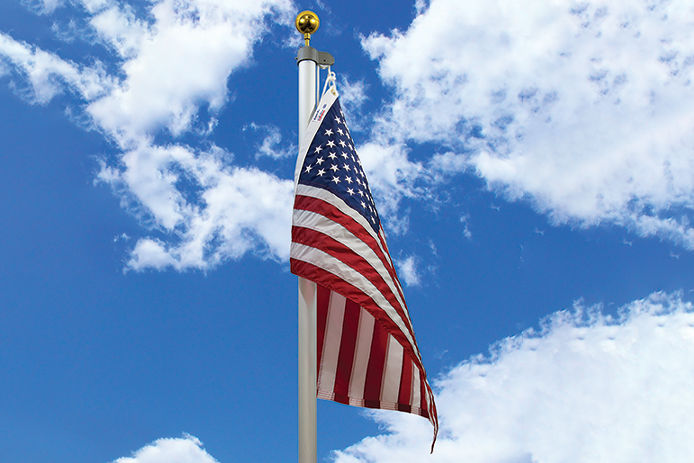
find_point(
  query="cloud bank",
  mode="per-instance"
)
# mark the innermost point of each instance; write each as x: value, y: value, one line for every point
x: 581, y: 108
x: 584, y: 387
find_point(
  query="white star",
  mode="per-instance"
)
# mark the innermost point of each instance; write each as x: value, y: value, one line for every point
x: 329, y: 132
x: 350, y: 191
x: 336, y: 180
x: 308, y: 169
x: 362, y: 204
x: 342, y: 143
x: 321, y: 172
x: 318, y: 149
x: 348, y: 180
x: 361, y: 193
x: 337, y: 119
x: 332, y: 155
x: 319, y: 161
x: 334, y: 168
x: 346, y: 167
x: 330, y: 143
x: 344, y: 155
x: 339, y: 130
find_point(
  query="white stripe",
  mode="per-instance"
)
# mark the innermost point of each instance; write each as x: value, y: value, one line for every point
x: 361, y: 354
x: 331, y: 343
x: 392, y: 371
x: 342, y: 206
x: 330, y: 264
x: 320, y: 223
x: 416, y: 388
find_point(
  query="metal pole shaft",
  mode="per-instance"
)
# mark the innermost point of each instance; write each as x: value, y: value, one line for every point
x: 307, y: 298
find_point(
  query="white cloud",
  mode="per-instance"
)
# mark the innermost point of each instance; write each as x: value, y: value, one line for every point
x: 48, y: 75
x: 120, y: 29
x: 586, y: 387
x: 272, y: 145
x: 186, y: 449
x: 43, y: 6
x: 465, y: 221
x: 391, y: 175
x: 581, y: 107
x: 168, y: 72
x: 407, y: 269
x: 207, y: 211
x: 171, y: 61
x: 67, y: 32
x: 353, y: 95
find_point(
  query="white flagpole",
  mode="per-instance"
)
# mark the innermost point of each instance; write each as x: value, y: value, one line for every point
x: 307, y: 23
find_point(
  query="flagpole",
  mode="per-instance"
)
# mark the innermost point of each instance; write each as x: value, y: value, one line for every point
x: 307, y: 23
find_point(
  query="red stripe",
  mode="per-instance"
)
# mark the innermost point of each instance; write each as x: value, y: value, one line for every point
x: 374, y: 371
x: 326, y: 243
x: 327, y: 210
x: 348, y: 343
x: 335, y: 283
x: 422, y: 394
x: 405, y: 394
x: 323, y: 302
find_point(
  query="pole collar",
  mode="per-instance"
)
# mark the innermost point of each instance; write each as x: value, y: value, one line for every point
x: 322, y: 58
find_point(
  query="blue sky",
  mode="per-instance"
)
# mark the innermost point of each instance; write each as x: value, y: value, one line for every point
x: 532, y: 164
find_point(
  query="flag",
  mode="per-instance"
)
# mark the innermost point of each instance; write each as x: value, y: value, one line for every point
x: 367, y: 353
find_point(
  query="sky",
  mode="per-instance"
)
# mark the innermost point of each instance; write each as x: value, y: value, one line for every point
x: 532, y: 163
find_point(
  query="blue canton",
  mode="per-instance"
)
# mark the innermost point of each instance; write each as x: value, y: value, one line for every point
x: 332, y: 164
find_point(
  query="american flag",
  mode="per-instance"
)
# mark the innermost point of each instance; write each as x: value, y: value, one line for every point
x: 367, y: 353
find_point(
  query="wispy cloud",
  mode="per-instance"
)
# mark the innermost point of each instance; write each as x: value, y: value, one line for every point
x: 272, y: 145
x: 585, y: 387
x: 465, y: 222
x: 47, y: 75
x: 43, y: 6
x: 407, y: 269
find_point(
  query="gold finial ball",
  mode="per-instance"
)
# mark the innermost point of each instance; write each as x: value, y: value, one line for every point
x: 307, y: 22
